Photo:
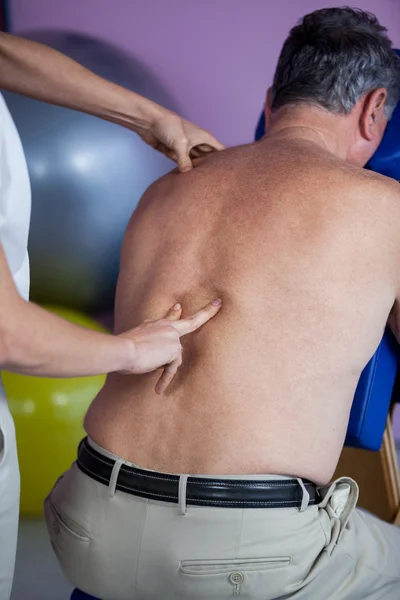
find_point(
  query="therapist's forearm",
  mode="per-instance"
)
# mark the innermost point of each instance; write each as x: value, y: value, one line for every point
x: 37, y: 71
x: 36, y: 342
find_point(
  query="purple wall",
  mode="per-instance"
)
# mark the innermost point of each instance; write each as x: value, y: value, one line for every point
x: 217, y: 57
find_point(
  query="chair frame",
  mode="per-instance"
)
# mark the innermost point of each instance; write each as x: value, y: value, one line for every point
x: 377, y: 474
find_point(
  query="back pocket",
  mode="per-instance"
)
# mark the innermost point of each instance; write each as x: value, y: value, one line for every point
x: 70, y: 543
x: 255, y: 578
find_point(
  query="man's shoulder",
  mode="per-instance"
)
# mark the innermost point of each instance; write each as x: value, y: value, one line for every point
x: 380, y: 184
x: 160, y: 187
x: 370, y: 183
x: 174, y: 179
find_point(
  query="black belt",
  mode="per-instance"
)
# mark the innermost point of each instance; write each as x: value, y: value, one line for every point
x: 233, y: 493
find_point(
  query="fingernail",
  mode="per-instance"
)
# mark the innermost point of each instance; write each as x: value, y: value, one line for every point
x: 216, y: 302
x: 176, y: 307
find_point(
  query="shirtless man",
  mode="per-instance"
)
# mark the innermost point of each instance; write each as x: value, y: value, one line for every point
x: 219, y: 487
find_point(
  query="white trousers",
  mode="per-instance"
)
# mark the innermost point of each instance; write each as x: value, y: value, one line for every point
x: 9, y: 497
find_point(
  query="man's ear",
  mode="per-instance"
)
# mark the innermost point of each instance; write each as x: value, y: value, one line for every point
x: 267, y: 109
x: 373, y: 115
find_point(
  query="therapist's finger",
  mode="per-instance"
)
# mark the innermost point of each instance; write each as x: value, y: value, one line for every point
x: 168, y: 374
x: 174, y: 313
x: 190, y: 324
x: 182, y: 156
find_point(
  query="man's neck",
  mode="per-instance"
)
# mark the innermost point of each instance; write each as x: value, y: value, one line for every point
x: 310, y: 123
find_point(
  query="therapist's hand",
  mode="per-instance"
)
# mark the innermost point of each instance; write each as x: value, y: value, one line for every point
x: 178, y: 139
x: 33, y: 70
x: 157, y: 343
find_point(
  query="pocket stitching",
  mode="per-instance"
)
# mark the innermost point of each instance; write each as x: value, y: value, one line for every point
x: 85, y: 538
x: 222, y: 568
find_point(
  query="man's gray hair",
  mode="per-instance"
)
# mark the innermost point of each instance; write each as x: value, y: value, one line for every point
x: 334, y: 57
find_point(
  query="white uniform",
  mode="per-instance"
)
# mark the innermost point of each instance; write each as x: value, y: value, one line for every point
x: 15, y: 209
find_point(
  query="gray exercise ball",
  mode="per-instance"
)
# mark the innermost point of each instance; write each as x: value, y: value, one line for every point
x: 87, y: 176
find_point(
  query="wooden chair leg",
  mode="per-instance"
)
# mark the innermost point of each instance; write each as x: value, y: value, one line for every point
x: 377, y: 475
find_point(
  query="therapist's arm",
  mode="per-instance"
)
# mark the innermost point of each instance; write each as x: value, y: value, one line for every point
x: 36, y: 342
x: 35, y: 70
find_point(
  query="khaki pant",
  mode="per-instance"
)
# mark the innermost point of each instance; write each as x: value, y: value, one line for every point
x: 116, y: 546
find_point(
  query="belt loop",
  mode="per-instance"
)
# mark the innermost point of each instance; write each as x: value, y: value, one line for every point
x: 326, y: 492
x: 114, y: 477
x: 346, y: 505
x: 305, y: 500
x: 182, y: 494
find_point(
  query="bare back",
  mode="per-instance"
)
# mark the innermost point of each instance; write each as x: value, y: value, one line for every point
x: 303, y: 250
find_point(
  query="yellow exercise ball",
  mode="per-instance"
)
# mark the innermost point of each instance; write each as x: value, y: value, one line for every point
x: 48, y: 415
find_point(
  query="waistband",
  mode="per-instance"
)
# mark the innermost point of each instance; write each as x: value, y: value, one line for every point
x: 259, y: 491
